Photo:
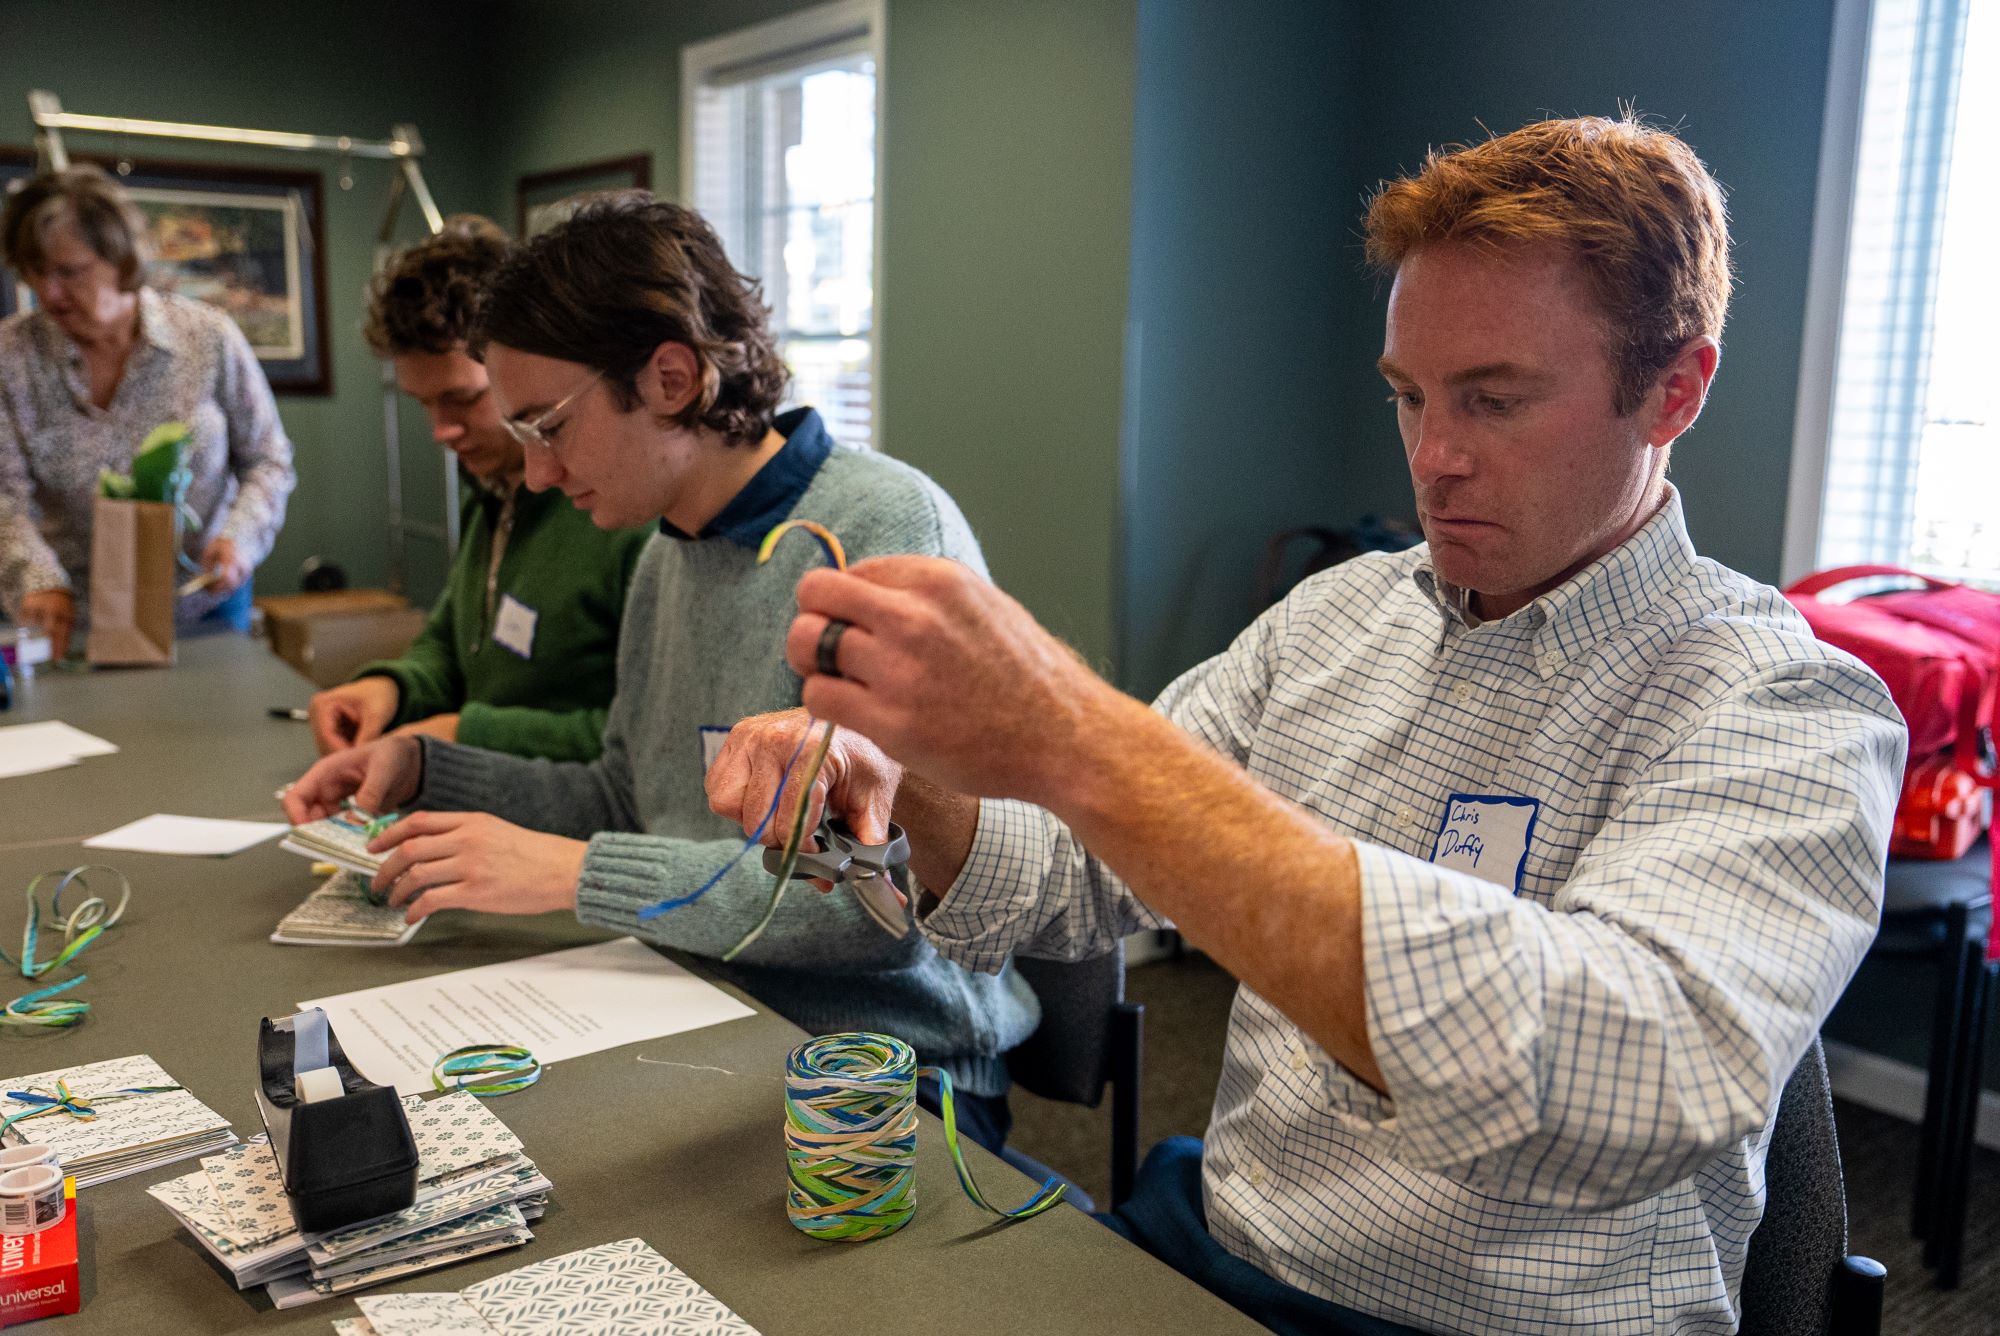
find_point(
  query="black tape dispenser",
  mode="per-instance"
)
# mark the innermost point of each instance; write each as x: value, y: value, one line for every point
x: 342, y: 1143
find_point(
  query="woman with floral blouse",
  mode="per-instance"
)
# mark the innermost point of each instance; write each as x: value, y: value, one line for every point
x: 85, y: 377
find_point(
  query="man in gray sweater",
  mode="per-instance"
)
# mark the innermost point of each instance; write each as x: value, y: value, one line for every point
x: 634, y: 364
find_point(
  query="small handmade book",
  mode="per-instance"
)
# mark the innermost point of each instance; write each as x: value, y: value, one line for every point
x: 105, y: 1120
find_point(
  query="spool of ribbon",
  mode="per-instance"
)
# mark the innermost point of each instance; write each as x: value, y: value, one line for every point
x: 851, y: 1139
x: 510, y: 1066
x: 44, y: 1103
x: 80, y: 927
x: 836, y: 557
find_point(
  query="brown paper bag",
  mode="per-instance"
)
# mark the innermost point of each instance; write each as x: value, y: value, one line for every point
x: 132, y: 591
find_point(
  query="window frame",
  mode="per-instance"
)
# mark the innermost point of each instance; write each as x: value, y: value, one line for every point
x: 770, y: 42
x: 1826, y: 283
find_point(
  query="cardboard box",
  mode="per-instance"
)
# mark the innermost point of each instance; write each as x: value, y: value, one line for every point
x: 327, y: 636
x: 38, y: 1272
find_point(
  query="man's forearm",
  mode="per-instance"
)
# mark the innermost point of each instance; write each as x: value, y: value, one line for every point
x: 940, y: 824
x: 1261, y: 885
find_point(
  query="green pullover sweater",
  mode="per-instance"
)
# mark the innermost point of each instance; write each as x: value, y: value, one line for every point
x: 525, y: 649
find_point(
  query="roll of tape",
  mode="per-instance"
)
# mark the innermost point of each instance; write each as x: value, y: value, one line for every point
x: 31, y: 1199
x: 318, y: 1084
x: 21, y: 1157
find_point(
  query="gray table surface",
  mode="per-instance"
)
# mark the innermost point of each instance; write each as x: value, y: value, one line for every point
x: 687, y: 1157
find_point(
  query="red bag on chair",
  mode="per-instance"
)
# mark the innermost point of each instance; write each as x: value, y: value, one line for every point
x: 1938, y: 649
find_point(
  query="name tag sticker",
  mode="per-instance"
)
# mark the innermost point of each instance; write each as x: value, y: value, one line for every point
x: 712, y: 738
x: 514, y: 627
x: 1487, y: 836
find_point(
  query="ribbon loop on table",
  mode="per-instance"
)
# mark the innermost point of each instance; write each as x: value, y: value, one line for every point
x: 510, y: 1066
x: 84, y: 924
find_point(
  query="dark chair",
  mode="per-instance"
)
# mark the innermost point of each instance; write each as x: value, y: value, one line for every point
x: 1798, y: 1279
x: 1940, y: 911
x: 1090, y: 1037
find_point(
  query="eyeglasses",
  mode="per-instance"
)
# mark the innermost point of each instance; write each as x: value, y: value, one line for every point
x: 536, y: 432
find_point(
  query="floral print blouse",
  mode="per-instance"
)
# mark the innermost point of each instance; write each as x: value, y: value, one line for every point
x: 190, y: 364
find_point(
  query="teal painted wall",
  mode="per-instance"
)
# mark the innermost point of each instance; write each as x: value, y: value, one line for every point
x: 1242, y: 217
x: 355, y: 69
x: 1745, y: 84
x: 1006, y: 176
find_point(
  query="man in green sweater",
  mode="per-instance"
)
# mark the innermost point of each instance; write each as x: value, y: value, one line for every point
x: 519, y: 654
x: 635, y: 363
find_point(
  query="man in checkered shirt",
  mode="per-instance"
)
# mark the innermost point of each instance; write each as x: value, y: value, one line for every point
x: 1541, y: 851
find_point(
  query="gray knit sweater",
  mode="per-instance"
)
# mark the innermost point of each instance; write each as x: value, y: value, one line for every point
x: 701, y: 647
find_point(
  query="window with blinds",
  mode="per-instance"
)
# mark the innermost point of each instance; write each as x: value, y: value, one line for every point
x: 779, y: 153
x: 1912, y: 439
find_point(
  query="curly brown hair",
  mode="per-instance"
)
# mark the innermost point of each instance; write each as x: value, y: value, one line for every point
x: 86, y: 197
x: 424, y: 300
x: 625, y: 273
x: 1631, y: 202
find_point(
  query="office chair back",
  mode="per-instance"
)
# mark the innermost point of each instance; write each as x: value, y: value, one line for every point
x: 1090, y: 1036
x: 1798, y: 1279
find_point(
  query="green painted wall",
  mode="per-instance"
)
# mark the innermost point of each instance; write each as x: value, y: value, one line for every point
x: 1006, y: 177
x: 355, y: 69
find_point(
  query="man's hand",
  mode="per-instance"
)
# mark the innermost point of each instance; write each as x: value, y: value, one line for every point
x: 443, y: 727
x: 347, y: 716
x: 948, y: 674
x: 858, y: 782
x: 380, y: 776
x: 469, y: 860
x: 228, y: 569
x: 54, y: 611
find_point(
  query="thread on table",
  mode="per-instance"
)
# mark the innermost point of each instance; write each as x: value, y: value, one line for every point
x: 851, y: 1139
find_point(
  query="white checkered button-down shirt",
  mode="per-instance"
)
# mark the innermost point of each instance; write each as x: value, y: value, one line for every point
x: 1580, y: 1074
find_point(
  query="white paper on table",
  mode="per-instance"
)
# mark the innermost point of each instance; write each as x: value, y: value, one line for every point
x: 560, y: 1005
x: 29, y: 749
x: 198, y: 835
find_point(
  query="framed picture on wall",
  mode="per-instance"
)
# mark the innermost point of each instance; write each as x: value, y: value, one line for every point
x: 246, y: 240
x: 542, y: 199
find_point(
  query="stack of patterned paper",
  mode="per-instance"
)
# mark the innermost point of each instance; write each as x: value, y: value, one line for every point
x: 476, y: 1192
x: 341, y: 839
x: 619, y: 1289
x: 342, y: 913
x: 123, y: 1135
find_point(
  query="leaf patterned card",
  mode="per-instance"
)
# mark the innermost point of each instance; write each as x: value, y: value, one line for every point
x: 375, y: 1275
x: 422, y: 1315
x: 121, y: 1126
x: 502, y: 1219
x: 618, y: 1289
x: 483, y: 1194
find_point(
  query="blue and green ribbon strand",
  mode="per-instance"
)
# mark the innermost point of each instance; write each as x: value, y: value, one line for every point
x: 851, y: 1139
x: 486, y: 1070
x: 83, y: 925
x: 836, y: 557
x: 44, y: 1103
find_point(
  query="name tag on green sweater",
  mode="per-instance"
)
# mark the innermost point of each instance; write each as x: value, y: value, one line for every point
x: 514, y: 627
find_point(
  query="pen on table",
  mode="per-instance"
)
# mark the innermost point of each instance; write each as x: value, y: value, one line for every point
x: 290, y: 712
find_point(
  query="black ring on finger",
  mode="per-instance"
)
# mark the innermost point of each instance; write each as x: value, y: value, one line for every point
x: 826, y: 658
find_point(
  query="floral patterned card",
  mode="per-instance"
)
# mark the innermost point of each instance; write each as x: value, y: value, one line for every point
x: 618, y: 1289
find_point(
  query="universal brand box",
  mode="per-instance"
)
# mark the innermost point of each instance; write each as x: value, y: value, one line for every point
x: 38, y: 1274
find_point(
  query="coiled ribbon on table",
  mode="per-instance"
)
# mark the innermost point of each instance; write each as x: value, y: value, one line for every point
x: 510, y: 1066
x: 837, y: 558
x: 80, y: 927
x: 851, y: 1139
